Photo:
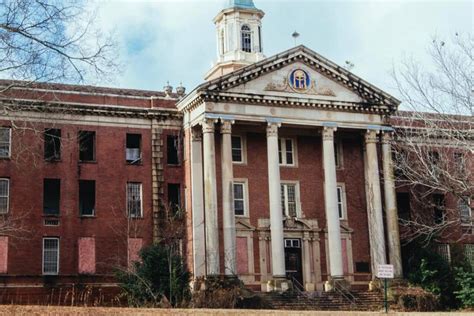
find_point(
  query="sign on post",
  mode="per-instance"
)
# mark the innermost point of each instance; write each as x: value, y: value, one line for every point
x: 385, y: 271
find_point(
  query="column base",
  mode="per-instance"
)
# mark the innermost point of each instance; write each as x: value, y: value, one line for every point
x: 330, y: 284
x: 278, y: 285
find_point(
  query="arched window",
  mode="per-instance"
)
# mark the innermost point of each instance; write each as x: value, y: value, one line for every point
x: 246, y: 39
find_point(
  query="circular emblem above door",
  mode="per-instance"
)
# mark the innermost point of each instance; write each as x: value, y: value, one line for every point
x: 299, y: 80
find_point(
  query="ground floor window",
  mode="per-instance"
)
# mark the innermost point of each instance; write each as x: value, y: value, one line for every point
x: 50, y: 255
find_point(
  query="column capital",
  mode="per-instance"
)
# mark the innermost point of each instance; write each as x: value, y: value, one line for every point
x: 208, y: 125
x: 371, y: 136
x: 226, y: 126
x: 272, y: 128
x: 387, y: 137
x: 196, y: 135
x: 328, y: 132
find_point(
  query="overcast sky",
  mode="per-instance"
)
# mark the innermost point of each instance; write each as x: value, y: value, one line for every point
x: 175, y: 41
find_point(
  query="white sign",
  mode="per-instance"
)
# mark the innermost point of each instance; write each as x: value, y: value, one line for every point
x: 385, y: 271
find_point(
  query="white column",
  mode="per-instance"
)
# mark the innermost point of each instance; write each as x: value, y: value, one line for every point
x: 230, y: 266
x: 374, y: 202
x: 210, y: 198
x: 199, y: 248
x: 393, y: 235
x: 274, y: 192
x: 330, y: 199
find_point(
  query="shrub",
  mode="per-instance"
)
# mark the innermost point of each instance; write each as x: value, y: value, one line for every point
x: 465, y: 292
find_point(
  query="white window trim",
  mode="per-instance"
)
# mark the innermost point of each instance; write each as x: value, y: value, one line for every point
x: 141, y: 200
x: 8, y: 195
x: 243, y: 144
x: 282, y: 142
x: 57, y: 258
x: 469, y: 222
x: 297, y: 197
x: 9, y: 142
x: 342, y: 186
x: 246, y: 197
x: 340, y: 155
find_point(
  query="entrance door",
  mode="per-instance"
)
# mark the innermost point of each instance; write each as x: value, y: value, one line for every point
x: 293, y: 264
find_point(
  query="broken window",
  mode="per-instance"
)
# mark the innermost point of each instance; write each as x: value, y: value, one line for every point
x: 134, y: 199
x: 86, y: 146
x: 51, y: 196
x: 52, y: 144
x: 174, y: 197
x: 172, y: 149
x: 133, y: 151
x: 439, y: 208
x: 87, y: 197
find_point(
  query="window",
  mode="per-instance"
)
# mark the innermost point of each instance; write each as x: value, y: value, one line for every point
x: 464, y: 207
x: 86, y: 146
x: 340, y: 202
x: 286, y: 152
x: 289, y: 199
x: 292, y: 243
x: 260, y: 39
x: 50, y: 256
x: 172, y: 142
x: 246, y: 39
x: 469, y: 253
x: 362, y: 267
x: 240, y: 207
x: 237, y: 149
x: 51, y: 196
x: 443, y: 251
x: 87, y: 197
x: 52, y: 144
x: 133, y: 153
x: 221, y: 40
x: 5, y: 142
x: 4, y: 195
x: 134, y: 199
x: 403, y: 205
x: 174, y: 197
x: 460, y: 162
x: 338, y: 154
x: 438, y: 209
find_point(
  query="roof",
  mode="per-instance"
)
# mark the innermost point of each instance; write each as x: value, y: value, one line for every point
x: 247, y: 4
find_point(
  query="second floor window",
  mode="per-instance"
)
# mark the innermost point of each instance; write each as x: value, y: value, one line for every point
x: 52, y: 144
x: 288, y: 199
x: 172, y: 145
x: 51, y: 196
x: 87, y: 197
x: 340, y: 202
x: 439, y: 208
x: 5, y: 142
x: 239, y: 199
x: 4, y: 195
x: 134, y: 199
x: 246, y: 35
x: 174, y: 197
x: 286, y: 152
x: 133, y: 151
x: 464, y: 207
x: 86, y: 146
x: 237, y: 150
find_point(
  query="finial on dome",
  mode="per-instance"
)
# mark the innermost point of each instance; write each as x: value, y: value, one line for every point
x: 247, y: 4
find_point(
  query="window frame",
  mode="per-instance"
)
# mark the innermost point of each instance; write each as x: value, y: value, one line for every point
x: 129, y: 215
x: 7, y: 196
x: 465, y: 220
x: 243, y: 149
x: 339, y: 153
x: 244, y: 183
x: 282, y: 149
x: 94, y: 211
x: 343, y: 203
x: 178, y: 145
x: 244, y: 35
x: 57, y: 257
x: 59, y: 197
x: 94, y: 146
x: 140, y: 146
x: 56, y: 156
x: 9, y: 142
x: 296, y: 184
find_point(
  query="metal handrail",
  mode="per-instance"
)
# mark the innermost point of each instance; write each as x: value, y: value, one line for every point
x: 345, y: 293
x: 298, y: 286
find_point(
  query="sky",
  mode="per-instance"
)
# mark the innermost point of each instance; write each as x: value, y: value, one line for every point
x: 175, y: 41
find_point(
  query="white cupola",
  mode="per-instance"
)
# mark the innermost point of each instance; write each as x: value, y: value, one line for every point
x: 239, y: 37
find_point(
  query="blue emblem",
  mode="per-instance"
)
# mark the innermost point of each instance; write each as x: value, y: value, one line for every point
x: 300, y: 80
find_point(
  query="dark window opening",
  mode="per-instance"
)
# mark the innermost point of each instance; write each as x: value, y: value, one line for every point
x: 260, y: 39
x: 172, y: 149
x: 237, y: 149
x: 433, y: 158
x: 362, y: 267
x: 86, y: 146
x: 133, y: 151
x: 87, y: 197
x: 403, y: 204
x: 174, y: 197
x: 439, y: 208
x: 51, y: 196
x: 52, y: 144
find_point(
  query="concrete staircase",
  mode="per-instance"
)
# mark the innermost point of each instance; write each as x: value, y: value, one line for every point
x: 363, y: 301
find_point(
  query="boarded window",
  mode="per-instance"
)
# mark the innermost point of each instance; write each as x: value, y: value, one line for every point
x: 174, y: 197
x: 86, y: 254
x: 133, y: 151
x: 86, y: 146
x: 134, y: 199
x: 3, y: 254
x: 242, y: 255
x: 134, y: 247
x: 87, y: 197
x: 4, y: 195
x: 172, y: 145
x: 52, y: 144
x: 51, y: 196
x: 50, y: 255
x: 5, y: 142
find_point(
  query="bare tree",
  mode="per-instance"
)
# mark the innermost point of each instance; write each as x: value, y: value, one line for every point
x: 434, y: 141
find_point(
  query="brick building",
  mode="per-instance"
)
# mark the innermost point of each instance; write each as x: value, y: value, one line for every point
x: 283, y: 165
